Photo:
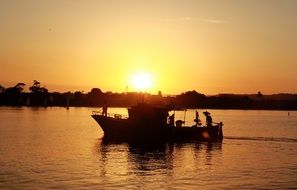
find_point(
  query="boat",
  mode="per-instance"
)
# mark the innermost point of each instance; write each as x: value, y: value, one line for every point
x: 147, y: 122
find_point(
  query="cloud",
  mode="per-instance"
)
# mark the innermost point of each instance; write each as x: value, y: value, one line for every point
x: 213, y: 21
x: 193, y: 19
x: 178, y: 19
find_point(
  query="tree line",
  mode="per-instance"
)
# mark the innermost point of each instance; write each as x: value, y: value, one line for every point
x: 40, y: 96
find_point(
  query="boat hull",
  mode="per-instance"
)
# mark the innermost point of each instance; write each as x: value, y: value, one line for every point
x: 127, y: 130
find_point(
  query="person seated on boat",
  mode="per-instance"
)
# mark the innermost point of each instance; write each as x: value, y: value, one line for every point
x: 179, y: 123
x: 171, y: 120
x: 197, y: 120
x: 104, y: 109
x: 208, y: 119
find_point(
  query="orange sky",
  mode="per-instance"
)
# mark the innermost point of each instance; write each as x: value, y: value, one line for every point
x: 209, y: 46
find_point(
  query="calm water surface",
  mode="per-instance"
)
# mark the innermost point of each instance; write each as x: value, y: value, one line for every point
x: 55, y: 148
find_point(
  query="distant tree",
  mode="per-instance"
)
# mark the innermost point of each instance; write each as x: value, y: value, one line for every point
x: 35, y: 88
x: 94, y: 97
x: 78, y: 98
x: 190, y: 99
x: 159, y: 93
x: 16, y: 89
x: 36, y: 83
x: 192, y: 93
x: 95, y: 91
x: 260, y: 95
x: 13, y: 95
x: 20, y: 86
x: 78, y: 93
x: 43, y: 89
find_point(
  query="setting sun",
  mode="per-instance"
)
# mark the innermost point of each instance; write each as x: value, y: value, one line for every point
x: 142, y: 81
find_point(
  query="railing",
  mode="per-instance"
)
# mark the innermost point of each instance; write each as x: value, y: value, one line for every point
x: 113, y: 115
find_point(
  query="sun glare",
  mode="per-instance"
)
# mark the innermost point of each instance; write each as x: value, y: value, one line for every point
x: 142, y: 81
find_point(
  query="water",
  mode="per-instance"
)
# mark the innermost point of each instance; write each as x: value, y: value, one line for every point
x: 55, y: 148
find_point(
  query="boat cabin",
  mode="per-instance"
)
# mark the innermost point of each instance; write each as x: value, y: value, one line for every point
x: 148, y: 115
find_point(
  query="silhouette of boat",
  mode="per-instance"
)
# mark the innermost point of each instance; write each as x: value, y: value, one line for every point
x: 149, y: 123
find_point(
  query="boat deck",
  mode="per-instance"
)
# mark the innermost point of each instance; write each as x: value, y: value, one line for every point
x: 112, y: 115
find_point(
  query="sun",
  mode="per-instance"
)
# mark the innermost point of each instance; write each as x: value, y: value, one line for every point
x: 142, y: 81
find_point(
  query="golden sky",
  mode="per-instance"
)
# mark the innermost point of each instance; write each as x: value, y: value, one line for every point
x: 223, y: 46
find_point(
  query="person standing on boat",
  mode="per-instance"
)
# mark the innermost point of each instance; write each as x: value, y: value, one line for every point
x: 197, y: 119
x: 208, y: 119
x: 104, y: 109
x: 171, y: 120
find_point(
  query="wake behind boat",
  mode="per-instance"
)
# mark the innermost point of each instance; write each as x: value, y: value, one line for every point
x: 153, y: 123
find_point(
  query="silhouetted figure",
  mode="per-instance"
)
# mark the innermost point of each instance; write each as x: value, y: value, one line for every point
x: 171, y: 120
x: 208, y: 119
x: 104, y: 109
x: 179, y: 123
x: 197, y: 119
